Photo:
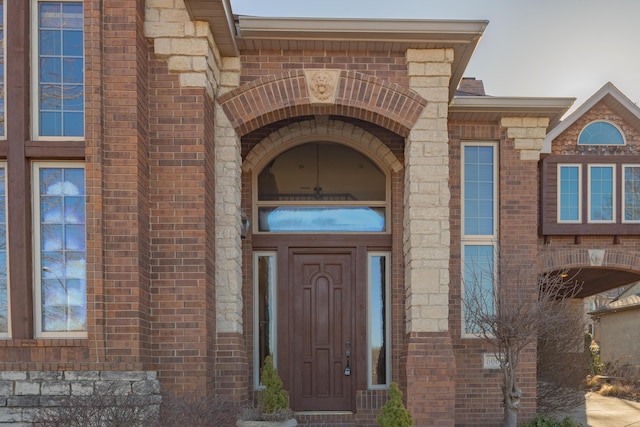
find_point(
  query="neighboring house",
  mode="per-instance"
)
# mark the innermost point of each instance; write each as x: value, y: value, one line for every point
x: 186, y: 191
x: 616, y: 328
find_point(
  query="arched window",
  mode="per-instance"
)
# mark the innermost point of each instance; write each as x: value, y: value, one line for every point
x: 600, y: 133
x: 321, y: 187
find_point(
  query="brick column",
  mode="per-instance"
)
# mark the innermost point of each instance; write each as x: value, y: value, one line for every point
x: 519, y: 199
x: 428, y: 360
x: 126, y: 180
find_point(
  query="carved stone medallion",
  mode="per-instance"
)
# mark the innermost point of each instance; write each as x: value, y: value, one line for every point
x: 322, y: 85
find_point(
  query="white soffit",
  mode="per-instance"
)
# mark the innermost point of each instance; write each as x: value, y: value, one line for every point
x: 492, y: 108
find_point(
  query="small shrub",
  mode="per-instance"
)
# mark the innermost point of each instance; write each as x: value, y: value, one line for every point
x: 546, y: 421
x: 273, y: 401
x: 197, y: 412
x: 111, y: 407
x: 394, y: 414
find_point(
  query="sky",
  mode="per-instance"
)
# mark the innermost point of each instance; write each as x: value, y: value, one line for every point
x: 531, y: 48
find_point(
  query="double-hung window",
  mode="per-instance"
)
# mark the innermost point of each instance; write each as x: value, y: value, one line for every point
x: 4, y: 266
x: 3, y: 81
x: 479, y: 225
x: 59, y: 70
x: 601, y: 193
x: 569, y: 194
x: 631, y: 197
x: 60, y: 249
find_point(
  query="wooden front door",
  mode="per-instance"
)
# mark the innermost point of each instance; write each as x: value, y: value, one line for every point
x: 321, y: 310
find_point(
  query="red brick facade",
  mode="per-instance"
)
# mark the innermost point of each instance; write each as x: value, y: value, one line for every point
x: 150, y: 162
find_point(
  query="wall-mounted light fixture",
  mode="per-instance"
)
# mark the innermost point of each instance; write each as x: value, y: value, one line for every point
x: 245, y: 224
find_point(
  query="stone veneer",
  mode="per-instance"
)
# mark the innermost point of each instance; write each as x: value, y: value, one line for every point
x: 24, y: 393
x: 528, y: 134
x: 426, y: 219
x: 187, y: 45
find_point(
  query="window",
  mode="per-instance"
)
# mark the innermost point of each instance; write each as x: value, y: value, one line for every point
x: 569, y: 197
x: 60, y: 258
x: 478, y: 281
x: 379, y: 372
x: 59, y: 74
x: 600, y: 133
x: 631, y: 189
x: 3, y: 81
x: 4, y: 276
x: 479, y: 190
x: 321, y: 187
x: 479, y: 224
x: 264, y: 311
x: 601, y: 193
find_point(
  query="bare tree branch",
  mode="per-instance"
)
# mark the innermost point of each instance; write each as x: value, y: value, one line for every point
x: 509, y: 305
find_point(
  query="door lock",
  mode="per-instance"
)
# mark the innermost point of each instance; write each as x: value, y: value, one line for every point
x: 347, y: 353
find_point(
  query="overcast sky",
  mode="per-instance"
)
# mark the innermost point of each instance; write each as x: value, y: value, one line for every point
x: 564, y: 48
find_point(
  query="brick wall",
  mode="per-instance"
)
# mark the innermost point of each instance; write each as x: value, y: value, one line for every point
x: 389, y: 66
x: 478, y: 392
x: 125, y: 183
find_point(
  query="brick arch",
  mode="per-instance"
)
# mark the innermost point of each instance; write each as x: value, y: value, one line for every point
x: 331, y: 130
x: 361, y: 96
x: 577, y: 258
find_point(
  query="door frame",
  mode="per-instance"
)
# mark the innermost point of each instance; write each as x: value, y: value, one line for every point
x: 360, y: 244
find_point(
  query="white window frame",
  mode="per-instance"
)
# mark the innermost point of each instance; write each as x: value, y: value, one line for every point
x: 477, y: 239
x: 613, y: 193
x: 4, y: 64
x: 37, y: 256
x: 624, y: 194
x: 387, y: 320
x: 273, y: 327
x: 624, y: 139
x: 559, y: 193
x: 35, y: 80
x: 6, y: 335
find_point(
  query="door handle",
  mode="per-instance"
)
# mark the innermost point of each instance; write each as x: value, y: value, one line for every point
x: 347, y: 353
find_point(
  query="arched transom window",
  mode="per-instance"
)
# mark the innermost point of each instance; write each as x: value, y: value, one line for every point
x: 322, y: 187
x: 600, y: 133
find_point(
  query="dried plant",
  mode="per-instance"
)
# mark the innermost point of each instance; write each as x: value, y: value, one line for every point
x: 112, y: 406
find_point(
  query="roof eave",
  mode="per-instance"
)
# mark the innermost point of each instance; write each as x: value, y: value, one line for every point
x: 490, y: 107
x: 368, y: 34
x: 221, y: 21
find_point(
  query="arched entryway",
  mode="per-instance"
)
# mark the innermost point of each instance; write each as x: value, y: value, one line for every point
x: 321, y: 243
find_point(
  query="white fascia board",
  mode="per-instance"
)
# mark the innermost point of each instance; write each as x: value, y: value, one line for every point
x: 361, y: 29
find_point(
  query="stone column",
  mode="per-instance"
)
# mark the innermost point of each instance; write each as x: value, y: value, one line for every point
x: 428, y: 357
x: 231, y: 366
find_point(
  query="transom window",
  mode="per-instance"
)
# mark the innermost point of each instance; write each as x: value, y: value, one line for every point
x: 601, y: 133
x: 59, y: 95
x: 322, y: 187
